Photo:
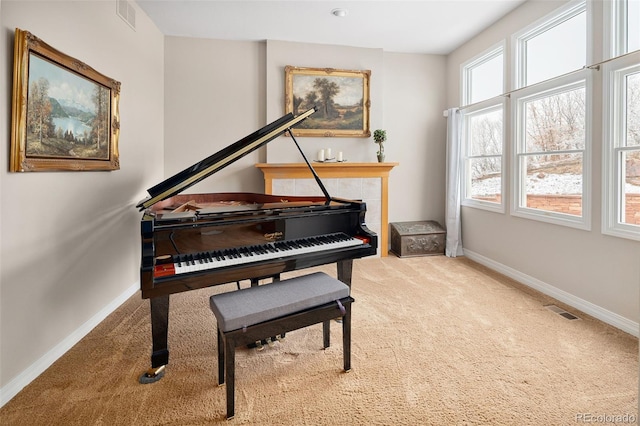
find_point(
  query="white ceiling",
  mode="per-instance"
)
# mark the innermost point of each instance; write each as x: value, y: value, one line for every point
x: 428, y: 26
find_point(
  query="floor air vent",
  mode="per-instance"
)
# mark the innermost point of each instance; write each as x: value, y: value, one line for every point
x: 561, y: 312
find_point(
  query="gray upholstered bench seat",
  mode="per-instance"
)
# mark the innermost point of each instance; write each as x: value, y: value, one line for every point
x: 254, y: 305
x: 252, y: 314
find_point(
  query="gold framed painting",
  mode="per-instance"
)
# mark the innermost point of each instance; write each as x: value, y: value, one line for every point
x: 64, y: 113
x: 340, y: 96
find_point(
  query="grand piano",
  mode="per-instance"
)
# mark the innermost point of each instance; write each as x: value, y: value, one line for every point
x: 192, y: 241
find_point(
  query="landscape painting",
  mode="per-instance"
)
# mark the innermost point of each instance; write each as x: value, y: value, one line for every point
x: 340, y: 96
x: 65, y: 113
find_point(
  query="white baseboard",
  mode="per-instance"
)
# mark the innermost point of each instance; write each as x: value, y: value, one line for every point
x: 12, y: 388
x: 588, y: 308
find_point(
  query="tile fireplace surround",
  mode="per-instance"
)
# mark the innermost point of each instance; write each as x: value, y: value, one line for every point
x: 368, y: 182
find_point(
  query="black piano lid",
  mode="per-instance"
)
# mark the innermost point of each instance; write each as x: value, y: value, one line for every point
x: 221, y: 159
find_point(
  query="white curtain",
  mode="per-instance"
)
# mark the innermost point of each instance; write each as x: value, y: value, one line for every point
x: 452, y: 209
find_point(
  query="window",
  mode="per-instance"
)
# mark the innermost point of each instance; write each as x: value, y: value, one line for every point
x: 483, y: 130
x: 621, y: 214
x: 551, y: 155
x: 632, y: 27
x: 622, y: 17
x: 483, y: 77
x: 554, y: 47
x: 483, y: 134
x: 551, y: 133
x: 621, y: 120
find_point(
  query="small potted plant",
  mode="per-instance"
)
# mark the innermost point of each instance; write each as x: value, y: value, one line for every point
x: 379, y: 137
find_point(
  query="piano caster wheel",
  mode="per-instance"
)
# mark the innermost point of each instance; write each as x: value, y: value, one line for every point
x: 152, y: 375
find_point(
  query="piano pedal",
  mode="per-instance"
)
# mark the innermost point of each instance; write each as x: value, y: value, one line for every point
x: 271, y: 342
x: 280, y: 337
x: 259, y: 346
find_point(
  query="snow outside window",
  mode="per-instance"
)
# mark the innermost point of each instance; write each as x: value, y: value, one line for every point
x: 621, y: 215
x: 551, y: 157
x: 483, y: 176
x: 483, y: 132
x: 552, y: 176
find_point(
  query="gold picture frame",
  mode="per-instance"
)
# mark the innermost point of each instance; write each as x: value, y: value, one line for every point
x: 64, y: 113
x: 341, y: 96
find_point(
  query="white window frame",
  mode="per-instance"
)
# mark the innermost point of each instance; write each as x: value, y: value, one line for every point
x: 494, y: 102
x: 484, y: 57
x: 519, y: 39
x: 615, y: 28
x: 558, y: 84
x: 466, y: 200
x: 614, y: 73
x: 518, y: 189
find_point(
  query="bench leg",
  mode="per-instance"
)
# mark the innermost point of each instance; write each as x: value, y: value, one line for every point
x: 220, y: 358
x: 230, y: 355
x: 346, y: 338
x: 326, y: 333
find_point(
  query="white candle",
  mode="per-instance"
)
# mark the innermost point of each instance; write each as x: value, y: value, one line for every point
x: 339, y: 155
x: 321, y: 155
x: 327, y: 152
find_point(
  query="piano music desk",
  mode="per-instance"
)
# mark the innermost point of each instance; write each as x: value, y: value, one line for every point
x: 248, y: 315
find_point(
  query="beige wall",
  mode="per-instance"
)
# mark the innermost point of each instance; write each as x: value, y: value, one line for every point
x: 414, y: 98
x: 214, y: 96
x: 212, y: 101
x: 70, y: 240
x: 281, y: 54
x: 596, y: 273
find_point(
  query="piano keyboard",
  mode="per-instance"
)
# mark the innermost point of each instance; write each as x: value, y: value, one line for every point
x: 202, y: 261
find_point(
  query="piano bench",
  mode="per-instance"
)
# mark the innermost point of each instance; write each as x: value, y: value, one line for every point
x: 248, y: 315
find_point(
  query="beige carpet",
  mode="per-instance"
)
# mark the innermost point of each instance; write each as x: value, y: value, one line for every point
x: 436, y: 341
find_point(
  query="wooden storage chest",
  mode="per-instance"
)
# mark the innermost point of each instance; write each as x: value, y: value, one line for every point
x: 422, y: 238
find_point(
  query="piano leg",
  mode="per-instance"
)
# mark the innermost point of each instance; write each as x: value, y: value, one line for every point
x: 272, y: 340
x: 159, y: 332
x: 345, y: 268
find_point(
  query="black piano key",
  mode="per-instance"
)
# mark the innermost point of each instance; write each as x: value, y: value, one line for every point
x: 237, y: 255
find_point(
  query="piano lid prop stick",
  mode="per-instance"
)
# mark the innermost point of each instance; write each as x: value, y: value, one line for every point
x: 315, y: 175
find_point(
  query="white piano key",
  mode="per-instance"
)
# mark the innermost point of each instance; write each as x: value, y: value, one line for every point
x: 197, y: 262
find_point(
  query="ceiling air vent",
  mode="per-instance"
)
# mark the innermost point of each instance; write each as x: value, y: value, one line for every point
x: 127, y: 12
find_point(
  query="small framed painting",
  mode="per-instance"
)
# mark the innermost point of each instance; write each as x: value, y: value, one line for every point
x: 340, y: 96
x: 64, y: 113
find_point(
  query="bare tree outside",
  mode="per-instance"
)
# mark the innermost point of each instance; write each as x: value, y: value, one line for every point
x: 554, y: 140
x: 486, y: 139
x: 552, y: 122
